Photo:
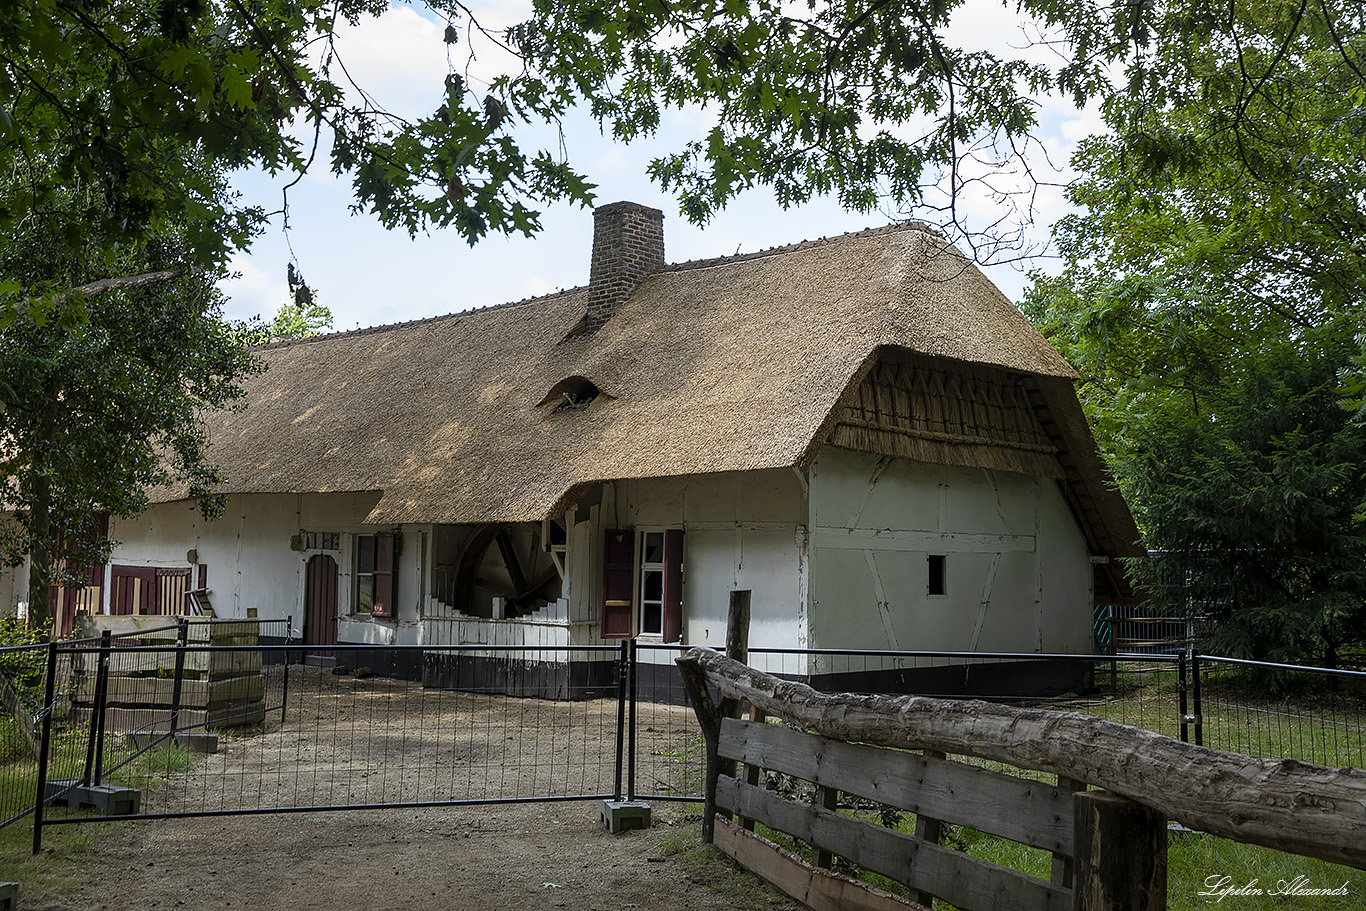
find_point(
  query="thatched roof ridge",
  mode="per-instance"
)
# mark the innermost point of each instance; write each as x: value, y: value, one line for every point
x: 385, y: 327
x: 729, y: 364
x: 801, y: 245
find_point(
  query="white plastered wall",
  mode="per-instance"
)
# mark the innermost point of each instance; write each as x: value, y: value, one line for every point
x: 251, y: 564
x: 1018, y: 574
x: 13, y: 579
x: 741, y: 530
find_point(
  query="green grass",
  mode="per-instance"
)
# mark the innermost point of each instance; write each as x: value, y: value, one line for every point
x: 1199, y: 863
x: 67, y: 861
x: 709, y: 867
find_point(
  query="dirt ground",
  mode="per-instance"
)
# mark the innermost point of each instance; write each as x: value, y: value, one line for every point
x: 361, y: 741
x: 543, y: 856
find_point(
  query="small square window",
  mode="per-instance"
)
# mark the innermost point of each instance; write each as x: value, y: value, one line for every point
x: 937, y: 574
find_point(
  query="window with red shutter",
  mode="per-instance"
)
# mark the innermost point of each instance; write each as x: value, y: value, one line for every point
x: 673, y: 585
x: 618, y: 582
x: 642, y: 584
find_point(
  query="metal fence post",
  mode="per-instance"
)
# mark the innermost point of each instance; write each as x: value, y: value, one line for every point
x: 1195, y: 693
x: 623, y: 662
x: 49, y: 698
x: 93, y: 744
x: 106, y: 646
x: 182, y: 636
x: 1181, y: 691
x: 632, y: 657
x: 284, y: 694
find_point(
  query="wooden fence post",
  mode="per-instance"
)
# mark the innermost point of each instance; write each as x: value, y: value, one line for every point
x: 737, y: 649
x: 709, y: 715
x: 1121, y: 854
x: 709, y: 719
x: 929, y: 829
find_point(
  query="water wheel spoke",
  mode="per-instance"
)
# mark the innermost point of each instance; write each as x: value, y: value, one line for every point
x: 508, y: 550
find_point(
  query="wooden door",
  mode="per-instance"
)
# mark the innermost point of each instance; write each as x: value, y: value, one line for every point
x: 320, y: 603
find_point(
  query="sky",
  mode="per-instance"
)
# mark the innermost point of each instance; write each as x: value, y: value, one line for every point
x: 368, y: 276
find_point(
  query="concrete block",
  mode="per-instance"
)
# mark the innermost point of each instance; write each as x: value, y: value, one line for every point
x: 109, y: 800
x: 9, y: 896
x: 623, y: 815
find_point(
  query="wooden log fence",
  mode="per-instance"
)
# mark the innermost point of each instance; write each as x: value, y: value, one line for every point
x: 1108, y: 846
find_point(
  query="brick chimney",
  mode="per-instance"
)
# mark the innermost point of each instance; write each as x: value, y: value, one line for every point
x: 628, y: 246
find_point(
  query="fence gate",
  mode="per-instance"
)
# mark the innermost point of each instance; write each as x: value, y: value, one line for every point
x: 129, y: 717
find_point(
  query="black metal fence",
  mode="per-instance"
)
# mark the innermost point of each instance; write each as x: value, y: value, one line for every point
x: 1279, y: 710
x: 123, y: 729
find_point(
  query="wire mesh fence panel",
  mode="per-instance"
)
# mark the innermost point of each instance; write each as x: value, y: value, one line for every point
x: 670, y: 757
x: 200, y: 729
x: 291, y: 736
x: 22, y: 692
x: 1279, y: 711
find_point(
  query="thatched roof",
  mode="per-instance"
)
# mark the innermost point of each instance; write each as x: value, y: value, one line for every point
x: 724, y: 365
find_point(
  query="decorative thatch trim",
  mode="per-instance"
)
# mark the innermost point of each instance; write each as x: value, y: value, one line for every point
x: 908, y: 445
x: 930, y: 410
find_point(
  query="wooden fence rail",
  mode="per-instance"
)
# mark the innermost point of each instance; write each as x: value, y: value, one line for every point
x: 1115, y: 839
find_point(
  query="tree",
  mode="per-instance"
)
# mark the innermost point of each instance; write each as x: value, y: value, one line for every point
x: 302, y: 316
x: 101, y: 391
x: 300, y: 321
x: 1213, y: 300
x: 866, y: 100
x: 117, y: 120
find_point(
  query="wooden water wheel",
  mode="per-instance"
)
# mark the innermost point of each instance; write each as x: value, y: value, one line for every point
x: 507, y: 561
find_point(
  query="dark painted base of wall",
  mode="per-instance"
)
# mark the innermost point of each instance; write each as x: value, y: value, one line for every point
x: 1045, y: 677
x: 401, y: 665
x: 515, y: 677
x: 660, y: 682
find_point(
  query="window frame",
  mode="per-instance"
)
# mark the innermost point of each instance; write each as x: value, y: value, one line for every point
x: 937, y: 570
x: 382, y: 575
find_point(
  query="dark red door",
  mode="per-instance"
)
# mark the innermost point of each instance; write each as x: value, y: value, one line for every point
x: 320, y: 603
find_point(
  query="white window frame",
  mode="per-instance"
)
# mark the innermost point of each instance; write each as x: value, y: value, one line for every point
x: 642, y: 567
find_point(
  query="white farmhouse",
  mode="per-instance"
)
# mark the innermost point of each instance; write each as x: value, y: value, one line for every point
x: 861, y: 431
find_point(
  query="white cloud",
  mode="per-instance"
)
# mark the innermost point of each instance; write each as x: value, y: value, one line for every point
x: 254, y: 292
x: 398, y: 58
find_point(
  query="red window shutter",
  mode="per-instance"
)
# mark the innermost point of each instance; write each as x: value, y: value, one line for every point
x: 386, y: 579
x: 673, y: 585
x: 618, y: 582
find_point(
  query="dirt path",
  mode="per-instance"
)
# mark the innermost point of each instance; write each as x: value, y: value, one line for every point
x: 535, y: 857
